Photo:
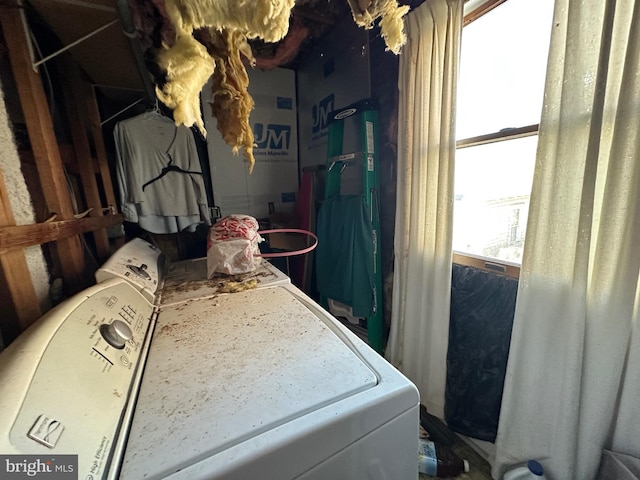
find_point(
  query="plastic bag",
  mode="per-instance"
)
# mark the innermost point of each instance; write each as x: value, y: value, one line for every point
x: 232, y: 245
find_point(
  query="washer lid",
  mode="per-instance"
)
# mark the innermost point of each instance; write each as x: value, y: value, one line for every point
x: 228, y: 368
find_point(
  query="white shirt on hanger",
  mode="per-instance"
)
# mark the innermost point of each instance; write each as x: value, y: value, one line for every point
x: 146, y: 144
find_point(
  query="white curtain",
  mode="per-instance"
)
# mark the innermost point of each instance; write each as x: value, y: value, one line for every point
x: 573, y: 378
x: 422, y: 277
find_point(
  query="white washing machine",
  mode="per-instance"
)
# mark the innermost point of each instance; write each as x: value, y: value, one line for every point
x: 261, y: 383
x: 145, y: 267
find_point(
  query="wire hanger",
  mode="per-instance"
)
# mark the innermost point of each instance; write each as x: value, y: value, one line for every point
x: 170, y: 167
x: 156, y: 108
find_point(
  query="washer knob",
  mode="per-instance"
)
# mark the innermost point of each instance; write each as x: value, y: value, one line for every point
x: 117, y: 333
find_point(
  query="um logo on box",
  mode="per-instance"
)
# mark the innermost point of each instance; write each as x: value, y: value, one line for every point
x: 320, y: 113
x: 273, y: 137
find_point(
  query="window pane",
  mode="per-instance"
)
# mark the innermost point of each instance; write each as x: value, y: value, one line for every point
x: 503, y: 67
x: 492, y: 188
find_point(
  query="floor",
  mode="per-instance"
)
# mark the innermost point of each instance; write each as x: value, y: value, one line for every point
x: 479, y: 468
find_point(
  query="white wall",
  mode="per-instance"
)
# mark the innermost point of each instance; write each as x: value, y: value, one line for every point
x: 275, y: 175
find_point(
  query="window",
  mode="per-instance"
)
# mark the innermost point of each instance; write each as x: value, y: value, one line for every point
x: 503, y: 63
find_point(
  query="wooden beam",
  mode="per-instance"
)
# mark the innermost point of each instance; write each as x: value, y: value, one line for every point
x: 37, y: 115
x: 21, y: 236
x: 18, y: 297
x: 101, y: 152
x: 44, y: 144
x: 76, y: 112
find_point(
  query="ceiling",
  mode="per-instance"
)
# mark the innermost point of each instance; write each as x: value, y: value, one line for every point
x: 113, y: 60
x: 106, y: 56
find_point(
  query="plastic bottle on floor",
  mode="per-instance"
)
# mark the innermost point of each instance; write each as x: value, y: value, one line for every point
x: 439, y: 460
x: 533, y: 471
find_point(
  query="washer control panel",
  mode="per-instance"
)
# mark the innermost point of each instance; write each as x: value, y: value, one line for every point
x: 139, y: 263
x: 84, y: 380
x: 116, y: 333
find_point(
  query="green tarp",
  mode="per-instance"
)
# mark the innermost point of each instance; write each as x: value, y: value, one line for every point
x: 344, y: 256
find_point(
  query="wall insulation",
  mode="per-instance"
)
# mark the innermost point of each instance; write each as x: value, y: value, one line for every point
x: 21, y: 203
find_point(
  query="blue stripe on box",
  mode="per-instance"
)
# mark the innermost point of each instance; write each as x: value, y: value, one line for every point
x: 288, y: 197
x: 284, y: 103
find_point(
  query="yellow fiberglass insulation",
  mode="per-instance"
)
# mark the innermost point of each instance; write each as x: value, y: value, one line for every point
x: 224, y: 26
x: 265, y: 19
x: 365, y: 12
x: 189, y: 65
x: 231, y: 103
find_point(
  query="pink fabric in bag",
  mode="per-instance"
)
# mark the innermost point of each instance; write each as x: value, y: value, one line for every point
x: 232, y: 245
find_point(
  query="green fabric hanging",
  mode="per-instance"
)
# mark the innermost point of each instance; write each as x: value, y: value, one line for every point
x: 344, y: 256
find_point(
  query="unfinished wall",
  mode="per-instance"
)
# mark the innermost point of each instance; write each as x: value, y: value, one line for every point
x: 21, y: 203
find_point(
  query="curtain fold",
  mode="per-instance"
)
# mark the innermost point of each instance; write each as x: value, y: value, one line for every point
x: 573, y: 377
x: 426, y: 146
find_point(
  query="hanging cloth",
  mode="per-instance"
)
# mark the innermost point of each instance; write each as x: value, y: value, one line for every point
x: 161, y: 187
x: 424, y: 212
x: 344, y: 261
x: 573, y: 375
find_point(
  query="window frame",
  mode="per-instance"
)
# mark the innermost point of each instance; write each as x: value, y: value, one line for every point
x: 482, y: 8
x: 499, y: 267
